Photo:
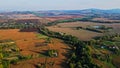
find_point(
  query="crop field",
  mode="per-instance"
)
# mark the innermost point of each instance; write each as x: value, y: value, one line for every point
x: 68, y: 28
x: 32, y: 43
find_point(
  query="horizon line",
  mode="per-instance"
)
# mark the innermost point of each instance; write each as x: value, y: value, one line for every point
x: 59, y: 9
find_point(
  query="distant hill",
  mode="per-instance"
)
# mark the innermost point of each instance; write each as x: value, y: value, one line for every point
x: 111, y: 13
x: 77, y: 12
x: 87, y: 10
x: 55, y: 12
x: 101, y: 11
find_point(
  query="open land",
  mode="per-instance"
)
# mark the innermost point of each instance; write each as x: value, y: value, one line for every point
x: 68, y: 28
x: 26, y: 42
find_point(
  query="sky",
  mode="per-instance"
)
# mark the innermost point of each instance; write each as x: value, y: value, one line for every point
x: 35, y: 5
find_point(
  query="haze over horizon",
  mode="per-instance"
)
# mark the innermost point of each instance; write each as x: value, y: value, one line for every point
x: 36, y: 5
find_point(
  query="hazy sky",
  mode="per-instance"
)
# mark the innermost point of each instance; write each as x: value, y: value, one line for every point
x: 12, y: 5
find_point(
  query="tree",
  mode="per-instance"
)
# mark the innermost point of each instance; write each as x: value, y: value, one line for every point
x: 79, y: 65
x: 72, y: 65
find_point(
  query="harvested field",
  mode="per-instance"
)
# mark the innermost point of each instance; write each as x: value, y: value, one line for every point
x: 82, y: 34
x: 62, y: 17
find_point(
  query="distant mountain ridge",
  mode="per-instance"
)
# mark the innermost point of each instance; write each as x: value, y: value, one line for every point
x: 114, y: 13
x: 75, y: 11
x: 91, y: 11
x: 105, y: 11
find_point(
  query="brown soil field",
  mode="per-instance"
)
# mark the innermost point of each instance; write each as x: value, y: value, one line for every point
x: 3, y: 20
x: 82, y: 34
x: 62, y: 17
x: 26, y: 42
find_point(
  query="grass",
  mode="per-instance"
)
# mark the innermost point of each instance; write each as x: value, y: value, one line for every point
x: 41, y: 36
x: 1, y: 66
x: 108, y: 43
x: 117, y: 39
x: 117, y: 44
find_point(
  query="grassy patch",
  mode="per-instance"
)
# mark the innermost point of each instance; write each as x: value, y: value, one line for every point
x: 108, y: 43
x: 42, y: 55
x: 117, y: 39
x: 41, y: 36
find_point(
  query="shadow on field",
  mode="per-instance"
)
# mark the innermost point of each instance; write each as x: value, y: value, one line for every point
x: 29, y: 30
x: 44, y: 52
